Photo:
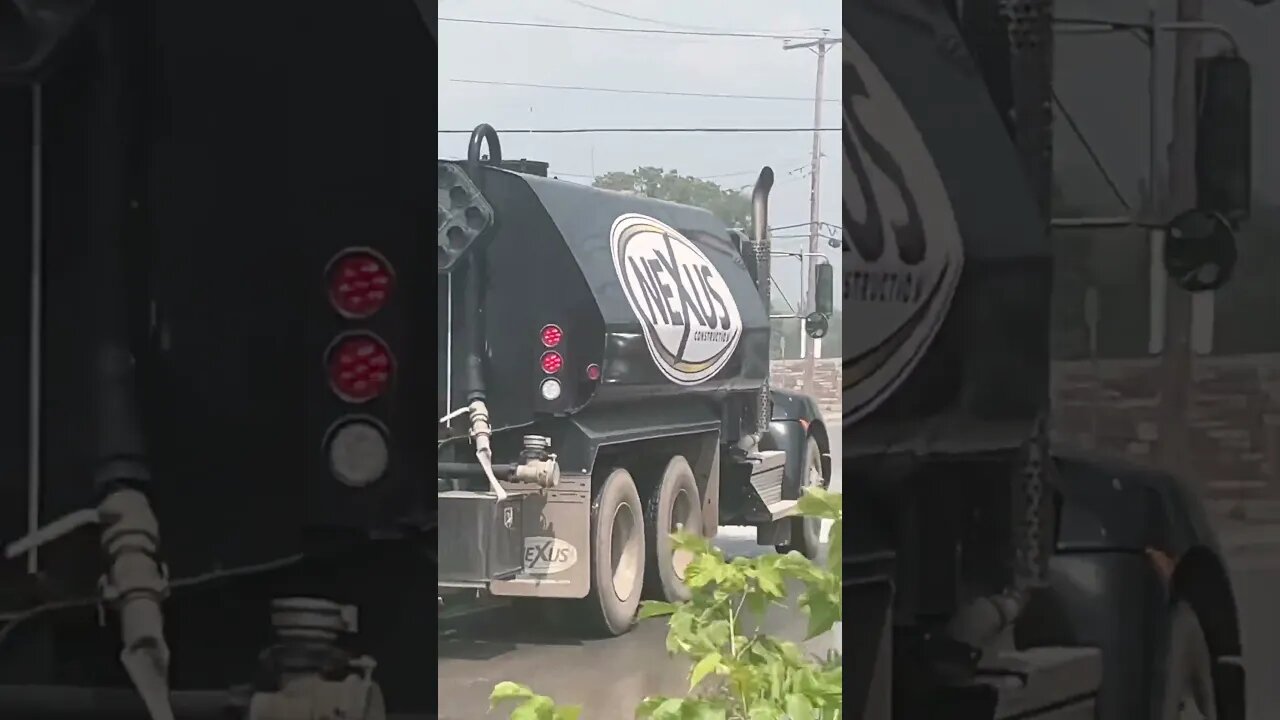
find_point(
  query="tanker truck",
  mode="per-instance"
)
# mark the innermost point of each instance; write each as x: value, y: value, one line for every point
x: 991, y: 570
x: 604, y: 381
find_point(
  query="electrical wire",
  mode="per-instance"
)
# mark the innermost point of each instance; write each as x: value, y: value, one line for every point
x: 666, y: 130
x: 645, y: 31
x: 628, y: 91
x: 16, y: 619
x: 638, y: 18
x: 1088, y: 148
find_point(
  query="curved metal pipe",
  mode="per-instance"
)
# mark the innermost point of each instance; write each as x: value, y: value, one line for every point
x: 474, y: 273
x: 760, y: 228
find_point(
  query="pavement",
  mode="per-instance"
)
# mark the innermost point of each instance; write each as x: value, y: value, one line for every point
x: 608, y: 677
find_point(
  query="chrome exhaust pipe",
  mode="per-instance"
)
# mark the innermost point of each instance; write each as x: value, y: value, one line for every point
x: 762, y: 248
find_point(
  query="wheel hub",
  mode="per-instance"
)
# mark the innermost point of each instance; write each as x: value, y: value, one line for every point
x: 624, y: 551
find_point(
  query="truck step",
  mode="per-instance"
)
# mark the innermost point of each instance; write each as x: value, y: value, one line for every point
x: 780, y: 509
x: 1045, y: 683
x: 766, y: 475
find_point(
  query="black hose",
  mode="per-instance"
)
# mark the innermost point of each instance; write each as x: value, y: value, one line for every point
x: 473, y: 470
x: 474, y: 274
x: 119, y: 440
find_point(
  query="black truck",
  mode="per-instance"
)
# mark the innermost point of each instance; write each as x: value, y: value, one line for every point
x: 605, y: 381
x: 991, y: 572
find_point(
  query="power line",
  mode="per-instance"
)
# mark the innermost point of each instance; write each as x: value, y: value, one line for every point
x: 645, y: 31
x: 628, y: 91
x: 680, y: 26
x: 665, y: 130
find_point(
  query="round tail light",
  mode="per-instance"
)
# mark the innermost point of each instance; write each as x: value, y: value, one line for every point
x: 551, y: 335
x: 551, y: 362
x: 360, y: 283
x: 358, y: 453
x: 359, y: 368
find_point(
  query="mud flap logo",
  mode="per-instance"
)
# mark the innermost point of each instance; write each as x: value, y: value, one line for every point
x: 690, y: 321
x: 902, y: 250
x: 548, y: 555
x: 508, y: 517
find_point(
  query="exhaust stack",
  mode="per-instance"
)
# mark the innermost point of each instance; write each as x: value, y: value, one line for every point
x: 762, y: 248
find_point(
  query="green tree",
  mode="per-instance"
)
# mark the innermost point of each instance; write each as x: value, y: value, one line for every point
x: 733, y: 206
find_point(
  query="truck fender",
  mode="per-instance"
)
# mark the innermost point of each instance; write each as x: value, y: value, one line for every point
x: 1132, y: 540
x: 795, y: 418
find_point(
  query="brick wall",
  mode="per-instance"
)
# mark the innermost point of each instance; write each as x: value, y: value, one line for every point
x: 789, y: 375
x: 1234, y: 417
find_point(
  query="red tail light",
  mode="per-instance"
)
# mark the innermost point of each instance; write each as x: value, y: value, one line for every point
x: 360, y: 368
x: 551, y: 335
x: 360, y: 282
x: 551, y: 362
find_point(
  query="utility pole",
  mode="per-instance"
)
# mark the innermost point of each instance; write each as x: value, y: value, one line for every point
x: 809, y: 289
x: 1177, y: 362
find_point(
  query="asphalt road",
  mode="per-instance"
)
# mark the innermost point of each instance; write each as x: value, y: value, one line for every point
x: 608, y: 677
x: 1256, y: 577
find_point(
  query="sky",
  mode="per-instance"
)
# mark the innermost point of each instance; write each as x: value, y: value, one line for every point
x: 651, y: 62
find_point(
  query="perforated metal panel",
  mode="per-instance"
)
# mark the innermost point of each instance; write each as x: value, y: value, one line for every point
x: 462, y: 214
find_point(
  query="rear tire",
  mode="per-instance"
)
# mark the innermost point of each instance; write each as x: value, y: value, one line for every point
x: 672, y: 501
x: 806, y: 533
x: 617, y: 554
x: 1188, y: 690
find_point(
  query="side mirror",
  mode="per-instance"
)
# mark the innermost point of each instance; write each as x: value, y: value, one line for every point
x: 1224, y: 139
x: 1199, y: 251
x: 823, y: 283
x: 816, y: 325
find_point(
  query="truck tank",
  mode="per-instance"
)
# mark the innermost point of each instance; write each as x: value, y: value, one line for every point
x: 635, y: 297
x: 947, y: 282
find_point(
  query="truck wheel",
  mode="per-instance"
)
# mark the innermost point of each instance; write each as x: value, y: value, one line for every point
x: 672, y: 504
x: 806, y: 533
x: 1188, y: 690
x: 617, y: 554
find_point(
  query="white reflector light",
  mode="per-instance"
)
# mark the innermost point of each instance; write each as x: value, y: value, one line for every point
x: 358, y: 454
x: 550, y: 389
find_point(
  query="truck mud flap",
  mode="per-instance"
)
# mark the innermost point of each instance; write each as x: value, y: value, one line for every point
x: 556, y: 550
x: 481, y: 538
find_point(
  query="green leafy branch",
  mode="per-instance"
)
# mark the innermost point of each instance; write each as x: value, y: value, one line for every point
x: 740, y: 672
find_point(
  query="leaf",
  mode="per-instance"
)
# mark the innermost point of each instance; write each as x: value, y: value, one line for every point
x: 758, y: 604
x: 817, y: 502
x: 770, y: 581
x: 507, y: 690
x: 823, y: 614
x: 568, y: 712
x: 656, y: 608
x: 704, y: 667
x: 799, y: 708
x: 702, y: 710
x: 669, y: 709
x: 835, y: 548
x: 538, y: 707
